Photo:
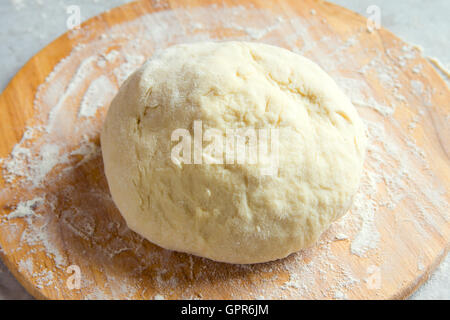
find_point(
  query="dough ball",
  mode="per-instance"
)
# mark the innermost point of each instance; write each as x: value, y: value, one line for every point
x: 236, y: 212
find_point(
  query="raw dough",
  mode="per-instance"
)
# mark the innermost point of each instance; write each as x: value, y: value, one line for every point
x: 236, y: 212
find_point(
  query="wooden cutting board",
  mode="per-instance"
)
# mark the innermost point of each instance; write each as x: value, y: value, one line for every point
x: 58, y: 223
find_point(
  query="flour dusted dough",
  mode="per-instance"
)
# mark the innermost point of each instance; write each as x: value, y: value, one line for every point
x: 232, y: 212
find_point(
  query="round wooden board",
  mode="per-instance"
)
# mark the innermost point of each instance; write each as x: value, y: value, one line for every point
x: 395, y: 235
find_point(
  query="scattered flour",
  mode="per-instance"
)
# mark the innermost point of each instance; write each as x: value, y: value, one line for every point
x: 341, y: 236
x: 95, y: 96
x: 25, y: 208
x: 26, y: 265
x: 338, y: 295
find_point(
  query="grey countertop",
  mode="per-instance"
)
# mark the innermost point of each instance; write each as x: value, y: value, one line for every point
x: 26, y: 26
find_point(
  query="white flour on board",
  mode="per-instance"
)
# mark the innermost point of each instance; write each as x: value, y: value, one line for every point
x: 65, y: 201
x: 95, y: 96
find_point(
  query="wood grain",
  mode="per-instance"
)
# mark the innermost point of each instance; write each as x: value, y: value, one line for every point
x: 118, y: 264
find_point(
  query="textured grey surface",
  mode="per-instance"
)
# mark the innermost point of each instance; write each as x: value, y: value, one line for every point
x: 26, y: 26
